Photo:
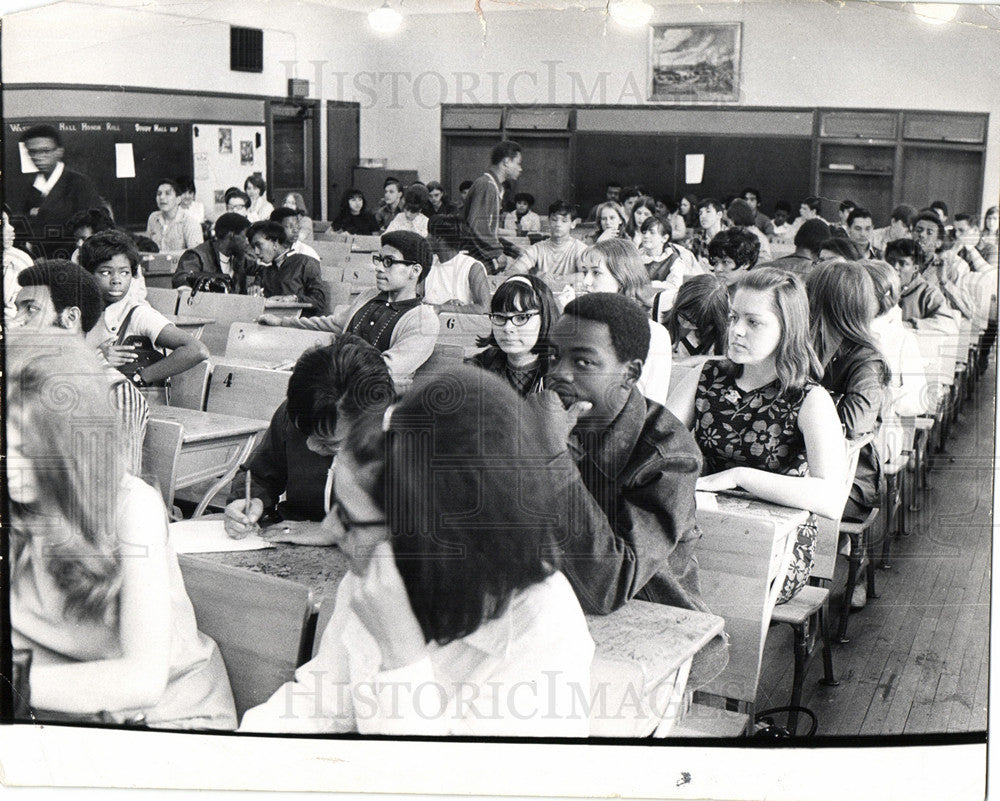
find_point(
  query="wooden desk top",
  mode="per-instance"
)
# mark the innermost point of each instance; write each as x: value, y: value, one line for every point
x: 188, y: 322
x: 286, y: 304
x: 207, y: 426
x: 742, y: 503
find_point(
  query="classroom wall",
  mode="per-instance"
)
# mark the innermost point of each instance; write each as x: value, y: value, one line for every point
x: 794, y: 54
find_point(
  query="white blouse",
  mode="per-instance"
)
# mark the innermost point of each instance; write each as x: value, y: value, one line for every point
x: 525, y: 673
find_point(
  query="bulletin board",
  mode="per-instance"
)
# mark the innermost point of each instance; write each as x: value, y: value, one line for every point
x: 225, y: 156
x: 159, y: 149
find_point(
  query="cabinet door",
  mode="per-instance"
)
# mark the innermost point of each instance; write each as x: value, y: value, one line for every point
x: 937, y: 127
x: 954, y: 176
x: 858, y: 124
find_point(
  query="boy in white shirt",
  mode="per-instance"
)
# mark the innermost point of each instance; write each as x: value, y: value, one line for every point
x: 560, y: 253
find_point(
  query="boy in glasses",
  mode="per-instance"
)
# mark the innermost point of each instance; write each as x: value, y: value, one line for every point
x: 392, y: 316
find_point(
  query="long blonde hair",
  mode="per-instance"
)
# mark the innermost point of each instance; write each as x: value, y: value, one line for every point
x: 59, y: 396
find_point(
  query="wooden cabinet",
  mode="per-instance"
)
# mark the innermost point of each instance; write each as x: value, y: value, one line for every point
x: 858, y: 124
x: 945, y: 127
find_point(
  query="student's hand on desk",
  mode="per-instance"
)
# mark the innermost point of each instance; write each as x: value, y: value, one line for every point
x: 284, y: 298
x: 298, y: 532
x: 557, y: 422
x: 255, y: 291
x: 724, y: 480
x: 117, y: 355
x: 240, y: 522
x: 269, y: 319
x: 383, y: 607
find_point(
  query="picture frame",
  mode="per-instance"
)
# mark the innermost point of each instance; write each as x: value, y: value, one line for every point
x: 693, y: 63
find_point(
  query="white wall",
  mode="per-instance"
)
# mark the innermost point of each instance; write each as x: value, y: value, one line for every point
x: 794, y: 54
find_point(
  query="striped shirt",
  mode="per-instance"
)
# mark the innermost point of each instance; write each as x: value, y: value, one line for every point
x: 133, y: 411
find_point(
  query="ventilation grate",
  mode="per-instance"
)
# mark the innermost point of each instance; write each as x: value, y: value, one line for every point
x: 246, y: 49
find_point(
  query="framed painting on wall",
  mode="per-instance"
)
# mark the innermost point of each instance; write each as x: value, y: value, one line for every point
x: 695, y: 63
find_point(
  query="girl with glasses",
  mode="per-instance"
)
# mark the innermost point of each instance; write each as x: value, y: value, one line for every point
x: 522, y: 313
x: 454, y: 618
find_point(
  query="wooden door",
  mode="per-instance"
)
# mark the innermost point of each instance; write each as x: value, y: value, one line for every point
x: 547, y: 170
x: 342, y: 152
x: 954, y: 176
x: 294, y: 160
x: 465, y: 159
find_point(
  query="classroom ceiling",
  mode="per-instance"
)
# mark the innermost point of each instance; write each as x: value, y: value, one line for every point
x: 453, y: 6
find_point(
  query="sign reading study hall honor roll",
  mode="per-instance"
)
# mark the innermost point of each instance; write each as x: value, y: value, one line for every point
x: 159, y: 149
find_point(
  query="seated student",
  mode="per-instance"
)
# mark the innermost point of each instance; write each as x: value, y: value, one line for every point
x: 95, y: 590
x: 391, y: 203
x: 781, y: 225
x: 463, y: 193
x: 392, y: 316
x: 456, y: 281
x: 687, y: 207
x: 284, y: 275
x: 237, y: 201
x: 900, y: 227
x: 762, y: 222
x: 522, y: 220
x: 967, y: 240
x: 838, y: 248
x: 711, y: 222
x: 14, y: 260
x: 921, y: 305
x: 938, y: 265
x: 809, y: 241
x: 644, y: 208
x: 194, y: 208
x: 897, y: 342
x: 85, y: 224
x: 989, y: 242
x: 760, y: 418
x: 940, y: 208
x: 630, y: 197
x: 699, y: 319
x: 522, y: 312
x: 612, y: 194
x: 615, y: 266
x: 559, y: 254
x: 860, y: 229
x: 611, y: 221
x: 731, y: 253
x: 410, y: 615
x: 808, y: 210
x: 295, y: 201
x: 329, y: 390
x: 411, y: 218
x: 741, y: 215
x: 172, y: 228
x: 678, y: 227
x: 439, y: 200
x: 112, y: 259
x: 260, y: 207
x: 842, y: 306
x: 354, y: 217
x: 60, y: 295
x: 289, y: 220
x: 667, y: 264
x: 628, y: 465
x: 223, y: 258
x: 843, y: 225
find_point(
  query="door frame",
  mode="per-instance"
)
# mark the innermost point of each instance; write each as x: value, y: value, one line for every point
x: 333, y: 196
x: 314, y: 201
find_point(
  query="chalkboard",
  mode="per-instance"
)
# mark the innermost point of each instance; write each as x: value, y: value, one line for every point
x: 161, y: 149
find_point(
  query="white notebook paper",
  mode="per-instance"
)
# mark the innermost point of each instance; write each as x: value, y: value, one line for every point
x: 209, y: 536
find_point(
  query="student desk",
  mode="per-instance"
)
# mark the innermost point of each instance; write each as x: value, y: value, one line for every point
x: 285, y: 308
x: 191, y: 325
x: 642, y: 649
x: 158, y: 269
x: 212, y: 449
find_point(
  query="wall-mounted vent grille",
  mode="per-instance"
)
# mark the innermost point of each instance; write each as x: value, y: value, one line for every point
x: 246, y: 49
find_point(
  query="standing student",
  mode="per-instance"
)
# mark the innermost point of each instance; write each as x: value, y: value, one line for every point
x: 96, y: 593
x: 171, y: 227
x: 222, y: 258
x: 260, y: 208
x: 522, y: 313
x: 615, y: 266
x: 354, y: 217
x: 456, y: 280
x: 558, y: 255
x: 112, y: 259
x: 284, y: 275
x: 57, y: 191
x: 484, y: 202
x: 392, y: 316
x: 291, y: 468
x: 439, y: 603
x: 294, y: 200
x: 760, y: 418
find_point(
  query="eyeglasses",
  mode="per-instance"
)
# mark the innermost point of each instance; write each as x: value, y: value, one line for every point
x: 518, y: 318
x: 347, y: 523
x: 235, y: 206
x: 390, y: 261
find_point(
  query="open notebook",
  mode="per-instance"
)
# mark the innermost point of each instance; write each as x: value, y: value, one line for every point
x: 209, y: 536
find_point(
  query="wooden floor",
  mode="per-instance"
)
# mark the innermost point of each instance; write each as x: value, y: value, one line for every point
x: 918, y: 658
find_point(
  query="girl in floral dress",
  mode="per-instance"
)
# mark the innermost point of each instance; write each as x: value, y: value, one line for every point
x: 761, y: 419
